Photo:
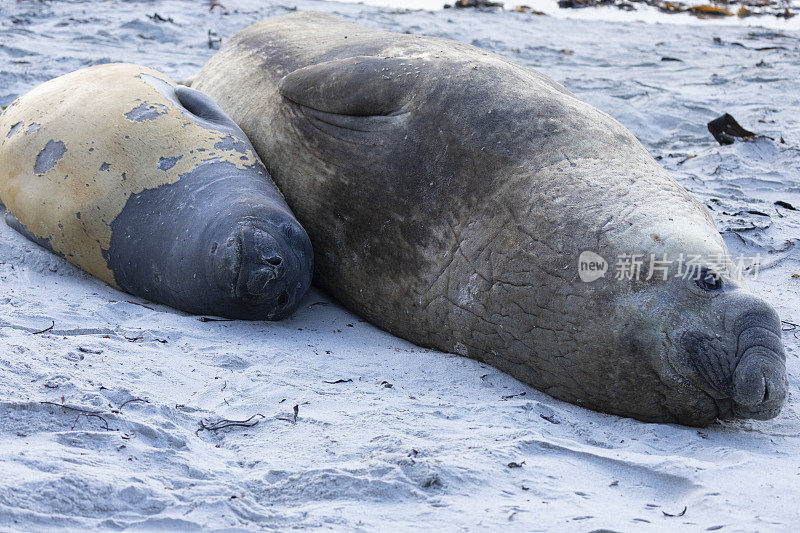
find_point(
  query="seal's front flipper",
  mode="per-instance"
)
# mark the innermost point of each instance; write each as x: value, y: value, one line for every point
x: 361, y: 86
x: 19, y: 227
x: 200, y: 104
x: 206, y: 111
x: 187, y: 81
x: 353, y: 99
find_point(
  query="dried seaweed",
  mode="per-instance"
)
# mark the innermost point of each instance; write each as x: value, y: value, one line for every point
x: 726, y: 130
x: 225, y: 423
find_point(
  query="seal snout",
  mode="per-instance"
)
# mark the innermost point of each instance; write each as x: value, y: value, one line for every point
x: 262, y: 268
x: 759, y: 385
x: 262, y: 265
x: 743, y: 369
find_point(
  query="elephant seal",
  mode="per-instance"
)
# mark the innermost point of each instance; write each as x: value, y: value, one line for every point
x: 450, y: 193
x: 152, y: 188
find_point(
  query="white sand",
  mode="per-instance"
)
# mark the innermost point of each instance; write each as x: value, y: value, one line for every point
x: 431, y: 451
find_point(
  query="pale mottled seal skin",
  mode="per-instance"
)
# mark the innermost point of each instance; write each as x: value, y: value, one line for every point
x: 152, y: 188
x: 448, y: 193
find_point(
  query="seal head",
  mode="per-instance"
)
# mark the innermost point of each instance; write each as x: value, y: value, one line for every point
x: 714, y: 348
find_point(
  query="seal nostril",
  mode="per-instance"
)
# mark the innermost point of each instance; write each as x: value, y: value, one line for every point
x: 283, y: 299
x: 274, y: 260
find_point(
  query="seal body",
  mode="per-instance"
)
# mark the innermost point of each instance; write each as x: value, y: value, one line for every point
x: 152, y: 188
x: 449, y: 194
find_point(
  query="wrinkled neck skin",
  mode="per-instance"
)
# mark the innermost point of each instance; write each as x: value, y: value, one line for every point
x: 449, y: 193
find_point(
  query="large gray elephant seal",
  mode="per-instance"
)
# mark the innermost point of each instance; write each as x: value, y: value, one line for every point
x: 449, y: 193
x: 153, y: 189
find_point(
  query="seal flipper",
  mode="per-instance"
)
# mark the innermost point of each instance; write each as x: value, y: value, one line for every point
x: 14, y: 223
x: 362, y: 86
x: 200, y: 104
x: 206, y: 111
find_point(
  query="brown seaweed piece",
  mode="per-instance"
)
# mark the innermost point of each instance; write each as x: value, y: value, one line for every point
x: 709, y: 11
x: 726, y: 130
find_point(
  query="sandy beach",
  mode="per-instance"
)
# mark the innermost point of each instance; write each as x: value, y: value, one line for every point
x: 120, y: 414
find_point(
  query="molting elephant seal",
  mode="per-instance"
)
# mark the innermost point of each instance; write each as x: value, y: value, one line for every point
x: 152, y: 188
x: 449, y: 194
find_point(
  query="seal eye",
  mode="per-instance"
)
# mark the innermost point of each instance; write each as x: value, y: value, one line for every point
x: 709, y: 280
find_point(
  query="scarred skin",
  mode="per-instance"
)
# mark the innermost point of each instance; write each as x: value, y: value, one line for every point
x: 448, y: 193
